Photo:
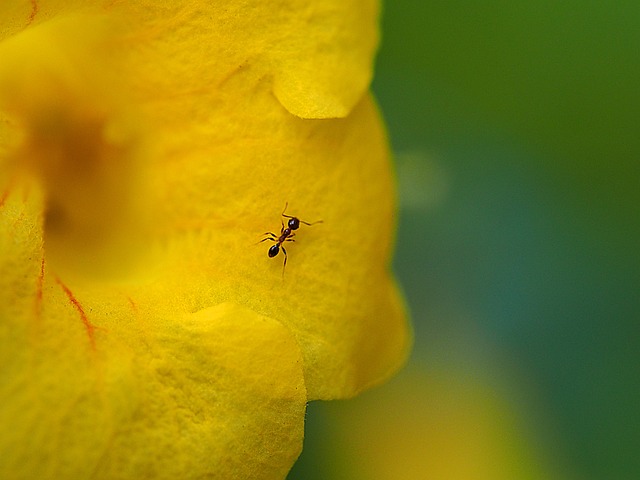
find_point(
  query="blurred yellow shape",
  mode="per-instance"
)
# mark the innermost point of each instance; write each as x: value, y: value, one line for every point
x: 435, y: 426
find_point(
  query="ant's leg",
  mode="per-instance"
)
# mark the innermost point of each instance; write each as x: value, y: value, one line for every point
x: 273, y: 238
x: 285, y: 261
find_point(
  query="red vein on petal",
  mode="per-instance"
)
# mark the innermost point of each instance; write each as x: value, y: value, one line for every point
x: 7, y: 191
x: 39, y: 283
x: 34, y: 12
x: 134, y: 307
x: 87, y: 324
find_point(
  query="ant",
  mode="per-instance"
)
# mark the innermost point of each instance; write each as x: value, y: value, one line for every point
x: 286, y: 235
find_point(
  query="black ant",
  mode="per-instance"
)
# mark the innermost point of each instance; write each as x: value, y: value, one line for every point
x: 286, y: 235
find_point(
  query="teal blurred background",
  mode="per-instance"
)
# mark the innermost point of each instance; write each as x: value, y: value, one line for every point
x: 516, y: 127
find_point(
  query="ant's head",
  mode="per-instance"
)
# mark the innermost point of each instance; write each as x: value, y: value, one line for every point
x: 293, y: 223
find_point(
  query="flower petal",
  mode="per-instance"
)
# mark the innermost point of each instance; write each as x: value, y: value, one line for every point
x: 226, y: 159
x: 104, y: 386
x: 229, y: 179
x: 319, y: 54
x: 79, y: 137
x: 164, y: 374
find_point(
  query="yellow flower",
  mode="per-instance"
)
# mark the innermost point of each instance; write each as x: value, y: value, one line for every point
x: 145, y: 147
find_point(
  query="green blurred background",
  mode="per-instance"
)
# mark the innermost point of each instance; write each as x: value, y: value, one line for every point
x: 516, y: 129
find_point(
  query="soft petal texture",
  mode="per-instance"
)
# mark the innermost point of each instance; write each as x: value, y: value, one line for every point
x: 318, y: 54
x: 99, y: 385
x: 195, y: 107
x: 336, y: 295
x: 225, y: 161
